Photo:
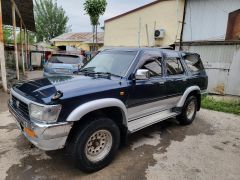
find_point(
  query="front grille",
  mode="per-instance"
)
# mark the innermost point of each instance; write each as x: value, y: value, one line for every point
x: 20, y: 106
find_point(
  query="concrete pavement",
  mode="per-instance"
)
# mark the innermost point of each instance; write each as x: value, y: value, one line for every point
x: 207, y: 149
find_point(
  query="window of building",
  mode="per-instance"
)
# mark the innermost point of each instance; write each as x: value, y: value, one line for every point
x: 174, y: 66
x: 233, y: 27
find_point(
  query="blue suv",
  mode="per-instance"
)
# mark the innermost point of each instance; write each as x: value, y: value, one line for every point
x: 118, y: 92
x: 62, y: 64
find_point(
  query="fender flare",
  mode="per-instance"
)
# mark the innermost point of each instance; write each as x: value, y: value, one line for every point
x: 91, y: 106
x: 186, y: 93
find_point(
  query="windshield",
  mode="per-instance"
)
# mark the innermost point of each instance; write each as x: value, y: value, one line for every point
x: 114, y: 62
x: 65, y: 59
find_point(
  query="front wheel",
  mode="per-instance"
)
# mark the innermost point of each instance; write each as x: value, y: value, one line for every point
x: 188, y: 111
x: 96, y: 144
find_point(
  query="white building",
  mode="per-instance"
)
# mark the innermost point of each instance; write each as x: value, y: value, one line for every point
x: 212, y: 29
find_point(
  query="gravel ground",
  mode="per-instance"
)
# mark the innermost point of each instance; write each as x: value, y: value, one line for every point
x: 207, y: 149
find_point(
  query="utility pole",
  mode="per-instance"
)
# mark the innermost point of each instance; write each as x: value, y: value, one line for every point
x: 22, y: 52
x: 2, y: 56
x: 147, y: 35
x: 139, y: 33
x: 15, y: 39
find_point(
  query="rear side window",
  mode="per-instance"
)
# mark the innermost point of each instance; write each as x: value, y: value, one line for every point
x: 194, y: 63
x: 174, y: 66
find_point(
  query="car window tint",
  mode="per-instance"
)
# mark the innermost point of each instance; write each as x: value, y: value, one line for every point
x: 154, y: 67
x: 194, y: 63
x: 65, y: 59
x: 174, y: 66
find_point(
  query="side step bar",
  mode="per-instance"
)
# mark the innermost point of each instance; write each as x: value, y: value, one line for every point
x: 143, y: 122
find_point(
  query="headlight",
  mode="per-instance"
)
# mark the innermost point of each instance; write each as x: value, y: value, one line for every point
x: 48, y: 113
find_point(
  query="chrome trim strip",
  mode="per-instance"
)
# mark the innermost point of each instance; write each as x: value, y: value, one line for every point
x: 149, y: 120
x: 48, y: 136
x: 151, y: 108
x: 88, y: 107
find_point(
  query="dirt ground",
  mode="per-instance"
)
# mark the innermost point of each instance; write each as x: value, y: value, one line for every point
x: 207, y: 149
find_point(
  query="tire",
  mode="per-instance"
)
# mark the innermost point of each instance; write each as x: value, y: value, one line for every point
x: 185, y: 118
x: 95, y: 144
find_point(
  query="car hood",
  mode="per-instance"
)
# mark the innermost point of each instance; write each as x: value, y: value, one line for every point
x: 43, y: 89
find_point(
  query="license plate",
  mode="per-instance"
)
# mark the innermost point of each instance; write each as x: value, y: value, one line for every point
x: 62, y: 70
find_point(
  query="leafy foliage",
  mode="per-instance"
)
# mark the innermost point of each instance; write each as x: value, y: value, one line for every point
x: 7, y: 34
x: 229, y: 106
x: 51, y: 19
x: 31, y: 37
x: 95, y: 8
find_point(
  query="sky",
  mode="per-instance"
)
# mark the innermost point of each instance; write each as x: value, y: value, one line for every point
x: 80, y: 22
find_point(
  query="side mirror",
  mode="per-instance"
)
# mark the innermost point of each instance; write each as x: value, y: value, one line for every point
x: 142, y: 74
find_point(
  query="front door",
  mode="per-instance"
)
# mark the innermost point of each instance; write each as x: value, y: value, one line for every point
x: 146, y: 95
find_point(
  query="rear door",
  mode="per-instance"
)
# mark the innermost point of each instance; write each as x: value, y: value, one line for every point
x: 197, y: 75
x: 176, y: 80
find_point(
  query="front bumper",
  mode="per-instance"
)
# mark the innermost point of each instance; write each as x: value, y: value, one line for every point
x: 46, y: 136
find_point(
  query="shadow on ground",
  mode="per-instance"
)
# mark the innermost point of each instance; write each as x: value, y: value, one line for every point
x: 128, y: 164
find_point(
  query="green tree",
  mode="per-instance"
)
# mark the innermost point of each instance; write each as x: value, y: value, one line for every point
x: 31, y: 37
x: 7, y: 34
x: 95, y: 8
x: 50, y: 19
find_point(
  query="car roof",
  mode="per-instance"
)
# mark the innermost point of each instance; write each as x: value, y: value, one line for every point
x: 166, y: 52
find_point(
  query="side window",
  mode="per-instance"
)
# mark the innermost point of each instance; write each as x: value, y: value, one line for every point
x: 193, y: 63
x: 174, y: 66
x: 154, y: 66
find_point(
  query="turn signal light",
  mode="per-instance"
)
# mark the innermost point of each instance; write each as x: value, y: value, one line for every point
x: 29, y: 132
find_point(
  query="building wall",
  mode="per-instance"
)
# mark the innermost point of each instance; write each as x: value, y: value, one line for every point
x: 79, y: 45
x: 222, y: 64
x: 76, y: 44
x: 123, y: 31
x: 207, y: 19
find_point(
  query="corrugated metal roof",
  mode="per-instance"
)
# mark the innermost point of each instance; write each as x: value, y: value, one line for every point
x: 25, y: 8
x: 86, y: 37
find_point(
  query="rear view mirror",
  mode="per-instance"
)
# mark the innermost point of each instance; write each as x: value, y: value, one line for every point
x: 142, y: 74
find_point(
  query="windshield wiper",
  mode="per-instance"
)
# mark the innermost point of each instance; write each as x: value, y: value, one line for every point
x: 86, y: 71
x: 105, y: 73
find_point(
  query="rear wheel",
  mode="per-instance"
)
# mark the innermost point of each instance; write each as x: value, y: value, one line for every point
x: 189, y: 110
x: 96, y: 144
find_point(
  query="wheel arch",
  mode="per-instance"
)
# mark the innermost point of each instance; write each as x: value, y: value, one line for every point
x: 98, y: 105
x: 193, y: 90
